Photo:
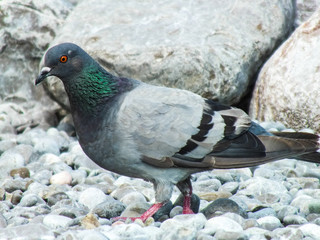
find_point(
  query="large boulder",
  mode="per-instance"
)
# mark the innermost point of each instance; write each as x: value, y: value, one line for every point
x: 211, y: 47
x: 288, y: 87
x: 304, y: 10
x: 26, y: 29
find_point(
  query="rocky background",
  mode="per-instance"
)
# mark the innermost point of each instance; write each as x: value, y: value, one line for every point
x: 260, y: 55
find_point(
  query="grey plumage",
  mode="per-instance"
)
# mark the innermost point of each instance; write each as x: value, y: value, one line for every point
x: 160, y: 134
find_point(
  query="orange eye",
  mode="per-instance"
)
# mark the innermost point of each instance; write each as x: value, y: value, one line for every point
x: 63, y: 58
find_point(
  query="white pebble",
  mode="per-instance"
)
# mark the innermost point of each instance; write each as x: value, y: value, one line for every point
x: 61, y: 178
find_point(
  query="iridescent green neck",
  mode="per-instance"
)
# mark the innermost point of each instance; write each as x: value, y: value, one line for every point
x: 90, y: 90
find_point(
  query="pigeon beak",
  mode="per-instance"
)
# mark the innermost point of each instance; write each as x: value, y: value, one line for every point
x: 45, y: 72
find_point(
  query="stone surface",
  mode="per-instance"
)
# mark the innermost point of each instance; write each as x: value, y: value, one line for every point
x: 310, y: 230
x: 32, y: 231
x: 109, y: 208
x: 203, y: 46
x: 221, y: 224
x: 56, y: 221
x: 25, y: 32
x: 304, y: 10
x: 60, y: 178
x: 269, y: 223
x: 287, y: 90
x: 91, y: 197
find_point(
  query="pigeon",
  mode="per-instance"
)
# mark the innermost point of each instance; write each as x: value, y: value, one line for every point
x: 162, y: 135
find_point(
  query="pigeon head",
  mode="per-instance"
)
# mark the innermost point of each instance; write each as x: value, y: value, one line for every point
x: 64, y: 61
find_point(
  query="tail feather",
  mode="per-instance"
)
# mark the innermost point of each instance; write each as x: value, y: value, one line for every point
x: 302, y: 146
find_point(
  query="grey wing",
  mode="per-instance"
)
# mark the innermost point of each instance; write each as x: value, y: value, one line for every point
x: 176, y: 127
x: 159, y: 120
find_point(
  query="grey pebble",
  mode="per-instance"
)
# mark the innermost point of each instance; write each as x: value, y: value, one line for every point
x: 231, y: 187
x: 30, y: 200
x: 294, y: 219
x: 269, y: 223
x: 264, y: 212
x: 221, y: 206
x: 56, y: 197
x: 56, y: 221
x: 109, y: 208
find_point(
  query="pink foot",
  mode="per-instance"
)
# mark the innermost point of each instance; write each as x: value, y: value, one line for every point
x: 149, y: 213
x: 187, y: 204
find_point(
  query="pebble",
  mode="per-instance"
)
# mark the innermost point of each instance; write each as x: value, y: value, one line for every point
x: 60, y: 178
x: 109, y: 208
x: 28, y: 231
x: 231, y: 187
x: 269, y: 223
x: 294, y: 219
x: 310, y: 230
x: 91, y: 197
x: 30, y: 200
x: 262, y: 213
x: 183, y: 226
x: 221, y: 223
x: 56, y: 221
x: 221, y: 206
x: 20, y: 172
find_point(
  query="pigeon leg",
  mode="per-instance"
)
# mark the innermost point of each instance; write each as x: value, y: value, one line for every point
x: 186, y: 189
x: 149, y: 213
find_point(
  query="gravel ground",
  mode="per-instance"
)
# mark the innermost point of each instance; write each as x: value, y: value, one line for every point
x: 50, y: 190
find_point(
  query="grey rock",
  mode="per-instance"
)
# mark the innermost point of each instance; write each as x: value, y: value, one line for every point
x: 184, y: 50
x: 231, y: 187
x: 30, y: 200
x: 78, y: 176
x: 3, y: 222
x: 227, y: 235
x: 22, y: 49
x: 84, y: 234
x: 42, y: 176
x: 183, y: 226
x: 131, y: 231
x: 286, y: 211
x: 91, y: 197
x: 314, y: 206
x: 6, y: 144
x: 302, y: 203
x: 133, y: 197
x: 56, y: 221
x: 257, y: 233
x: 264, y: 212
x: 268, y: 173
x: 46, y: 145
x: 294, y: 219
x: 310, y: 230
x: 287, y: 233
x: 177, y: 210
x: 265, y: 190
x: 221, y: 223
x: 210, y: 185
x: 109, y: 208
x: 135, y: 209
x: 284, y: 70
x: 11, y: 185
x: 17, y: 221
x: 250, y: 223
x: 304, y: 10
x: 9, y: 160
x: 269, y: 223
x: 221, y: 206
x: 56, y: 197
